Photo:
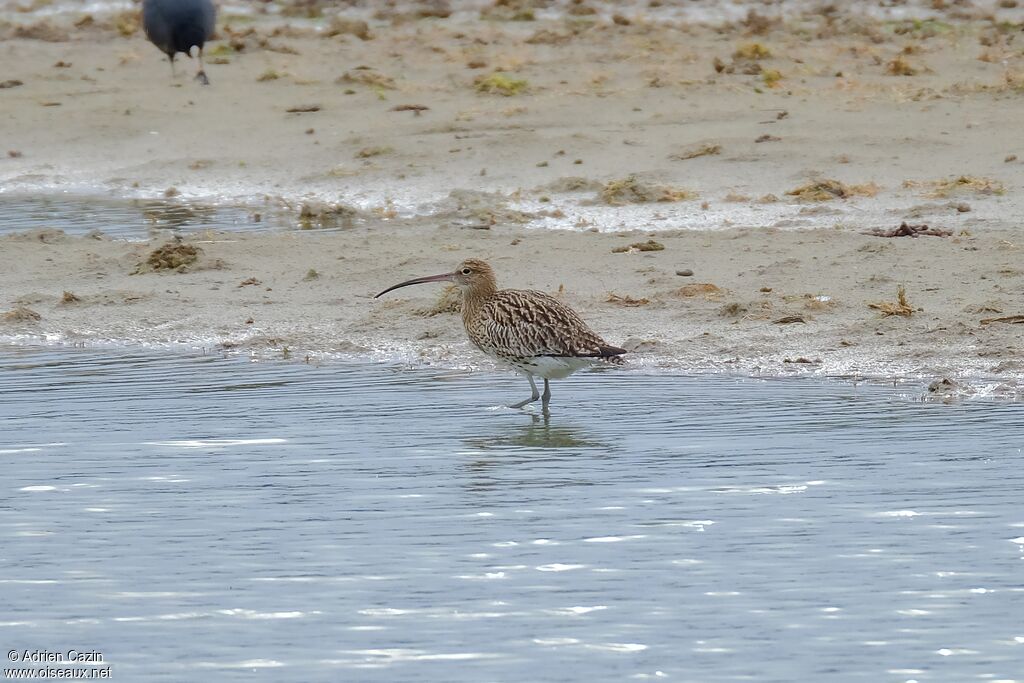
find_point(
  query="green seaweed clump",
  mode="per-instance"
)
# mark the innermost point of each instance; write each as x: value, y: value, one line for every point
x: 500, y: 84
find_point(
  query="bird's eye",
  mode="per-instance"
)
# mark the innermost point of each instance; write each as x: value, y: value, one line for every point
x: 466, y: 271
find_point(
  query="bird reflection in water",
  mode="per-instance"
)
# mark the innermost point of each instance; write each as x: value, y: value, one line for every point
x: 538, y: 433
x: 496, y: 459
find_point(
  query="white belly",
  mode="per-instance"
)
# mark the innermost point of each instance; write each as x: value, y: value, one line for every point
x: 549, y: 367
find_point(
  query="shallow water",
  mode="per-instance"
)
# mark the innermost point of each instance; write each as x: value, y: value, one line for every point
x: 198, y: 516
x: 132, y: 219
x: 140, y: 219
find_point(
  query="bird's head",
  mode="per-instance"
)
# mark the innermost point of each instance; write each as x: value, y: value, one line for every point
x: 472, y: 275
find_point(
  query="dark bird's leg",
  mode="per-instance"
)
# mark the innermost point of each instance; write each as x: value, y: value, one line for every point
x: 533, y: 397
x: 546, y: 396
x: 170, y: 58
x: 201, y: 74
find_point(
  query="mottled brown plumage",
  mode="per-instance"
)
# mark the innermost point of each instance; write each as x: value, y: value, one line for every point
x: 527, y: 330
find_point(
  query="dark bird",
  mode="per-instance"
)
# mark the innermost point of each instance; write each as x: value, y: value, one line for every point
x: 180, y: 26
x: 529, y: 331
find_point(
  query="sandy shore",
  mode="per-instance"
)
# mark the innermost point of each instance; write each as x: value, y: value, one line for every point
x: 759, y: 301
x: 637, y: 128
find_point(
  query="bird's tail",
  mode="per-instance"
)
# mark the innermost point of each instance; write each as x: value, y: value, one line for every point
x: 608, y: 351
x: 610, y: 354
x: 605, y: 352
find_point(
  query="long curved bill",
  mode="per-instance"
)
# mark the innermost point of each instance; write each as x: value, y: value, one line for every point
x: 444, y: 277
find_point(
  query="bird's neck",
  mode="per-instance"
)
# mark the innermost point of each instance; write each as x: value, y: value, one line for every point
x: 474, y: 298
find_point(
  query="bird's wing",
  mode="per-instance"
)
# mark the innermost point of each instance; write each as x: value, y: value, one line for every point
x: 157, y: 25
x: 209, y: 21
x: 527, y: 323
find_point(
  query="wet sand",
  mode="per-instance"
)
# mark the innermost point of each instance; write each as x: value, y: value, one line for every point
x: 624, y: 125
x: 759, y: 301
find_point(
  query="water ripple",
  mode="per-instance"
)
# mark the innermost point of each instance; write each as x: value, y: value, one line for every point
x: 345, y: 519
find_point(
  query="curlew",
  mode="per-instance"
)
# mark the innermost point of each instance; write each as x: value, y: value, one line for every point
x: 529, y: 331
x: 180, y: 26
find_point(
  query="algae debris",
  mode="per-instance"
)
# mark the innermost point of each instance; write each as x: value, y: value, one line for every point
x: 21, y: 314
x: 500, y: 84
x: 323, y: 215
x: 340, y: 26
x: 752, y: 51
x: 632, y: 190
x: 449, y: 301
x: 963, y: 184
x: 826, y: 189
x: 649, y: 245
x: 771, y: 77
x: 694, y: 152
x: 900, y: 307
x: 364, y: 75
x: 171, y: 256
x: 900, y: 67
x: 626, y: 300
x: 368, y: 152
x: 704, y: 289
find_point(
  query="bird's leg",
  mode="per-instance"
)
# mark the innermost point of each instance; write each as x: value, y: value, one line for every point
x: 533, y: 397
x: 546, y: 396
x: 201, y: 74
x: 170, y: 58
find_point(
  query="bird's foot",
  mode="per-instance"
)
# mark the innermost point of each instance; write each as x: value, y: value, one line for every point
x: 525, y: 403
x: 201, y: 77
